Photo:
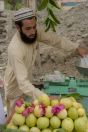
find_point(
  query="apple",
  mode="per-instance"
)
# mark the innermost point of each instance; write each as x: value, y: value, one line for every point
x: 48, y: 111
x: 54, y: 102
x: 44, y: 99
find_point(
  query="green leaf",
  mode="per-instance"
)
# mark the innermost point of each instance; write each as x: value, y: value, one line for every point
x: 46, y: 21
x: 75, y: 95
x: 2, y: 128
x: 60, y: 130
x: 50, y: 17
x: 27, y: 104
x: 47, y: 26
x: 53, y: 26
x: 53, y: 16
x: 42, y: 5
x: 50, y: 24
x: 13, y: 130
x: 52, y: 2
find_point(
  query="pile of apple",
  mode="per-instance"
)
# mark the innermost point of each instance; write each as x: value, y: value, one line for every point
x: 49, y: 115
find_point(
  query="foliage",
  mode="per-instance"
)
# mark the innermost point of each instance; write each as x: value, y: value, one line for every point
x: 51, y: 20
x: 77, y: 96
x: 13, y: 4
x: 50, y: 6
x: 3, y: 129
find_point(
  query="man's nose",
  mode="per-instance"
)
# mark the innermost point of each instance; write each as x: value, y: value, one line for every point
x: 32, y: 30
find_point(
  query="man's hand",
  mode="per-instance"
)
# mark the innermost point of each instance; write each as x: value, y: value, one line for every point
x: 82, y: 51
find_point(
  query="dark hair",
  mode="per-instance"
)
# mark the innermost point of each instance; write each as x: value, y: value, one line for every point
x: 19, y: 23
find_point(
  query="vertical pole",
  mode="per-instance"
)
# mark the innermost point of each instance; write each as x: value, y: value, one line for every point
x: 1, y: 6
x: 32, y: 4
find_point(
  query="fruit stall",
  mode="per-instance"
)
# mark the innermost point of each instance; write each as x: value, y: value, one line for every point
x: 44, y: 114
x: 63, y: 108
x: 63, y: 112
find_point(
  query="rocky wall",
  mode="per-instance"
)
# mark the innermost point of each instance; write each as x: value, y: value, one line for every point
x: 3, y: 40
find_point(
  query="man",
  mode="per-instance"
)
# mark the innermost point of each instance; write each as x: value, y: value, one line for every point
x: 22, y: 53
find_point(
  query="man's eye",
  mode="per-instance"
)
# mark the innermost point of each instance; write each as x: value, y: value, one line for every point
x: 29, y: 28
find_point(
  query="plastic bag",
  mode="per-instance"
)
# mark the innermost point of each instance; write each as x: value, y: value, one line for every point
x: 84, y: 62
x: 2, y: 115
x: 56, y: 77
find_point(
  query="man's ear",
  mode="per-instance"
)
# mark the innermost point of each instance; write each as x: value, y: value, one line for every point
x: 18, y: 27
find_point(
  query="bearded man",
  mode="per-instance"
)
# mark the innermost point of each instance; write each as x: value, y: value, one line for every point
x: 22, y: 52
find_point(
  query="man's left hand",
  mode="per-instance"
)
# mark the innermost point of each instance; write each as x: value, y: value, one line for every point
x: 82, y: 51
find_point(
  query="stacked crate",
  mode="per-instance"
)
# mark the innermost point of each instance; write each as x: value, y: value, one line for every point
x: 69, y: 87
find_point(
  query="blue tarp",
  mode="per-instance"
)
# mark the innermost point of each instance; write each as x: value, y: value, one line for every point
x: 71, y: 3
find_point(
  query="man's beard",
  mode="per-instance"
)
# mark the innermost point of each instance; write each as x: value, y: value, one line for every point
x: 28, y: 40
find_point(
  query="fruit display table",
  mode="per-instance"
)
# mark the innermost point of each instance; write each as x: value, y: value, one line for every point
x: 64, y: 114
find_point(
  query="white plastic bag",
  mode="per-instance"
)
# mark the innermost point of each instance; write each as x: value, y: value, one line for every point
x: 84, y: 62
x: 56, y: 77
x: 2, y: 115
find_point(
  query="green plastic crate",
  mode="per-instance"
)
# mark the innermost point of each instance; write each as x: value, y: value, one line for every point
x: 82, y: 83
x: 73, y: 86
x: 67, y: 87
